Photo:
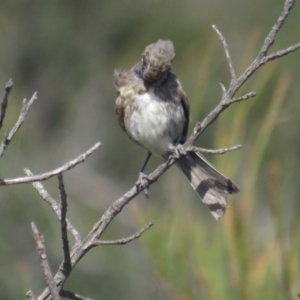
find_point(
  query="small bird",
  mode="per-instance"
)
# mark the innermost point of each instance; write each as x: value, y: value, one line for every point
x: 153, y: 110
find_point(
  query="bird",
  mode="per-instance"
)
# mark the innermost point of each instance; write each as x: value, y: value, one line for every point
x: 153, y: 110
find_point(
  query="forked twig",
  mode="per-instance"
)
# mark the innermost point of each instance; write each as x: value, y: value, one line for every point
x: 8, y: 137
x: 235, y: 85
x: 55, y: 206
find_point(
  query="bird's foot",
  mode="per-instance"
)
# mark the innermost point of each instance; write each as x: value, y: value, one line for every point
x: 179, y: 150
x: 143, y: 181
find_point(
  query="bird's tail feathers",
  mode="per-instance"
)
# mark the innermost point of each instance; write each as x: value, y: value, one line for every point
x: 210, y: 184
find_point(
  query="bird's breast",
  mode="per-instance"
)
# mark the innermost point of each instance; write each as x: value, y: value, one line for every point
x: 155, y: 124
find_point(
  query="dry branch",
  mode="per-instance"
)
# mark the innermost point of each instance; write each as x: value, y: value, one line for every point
x: 55, y: 207
x: 71, y: 295
x: 218, y: 151
x: 124, y: 241
x: 4, y: 101
x: 63, y: 222
x: 66, y: 167
x: 25, y: 107
x: 40, y: 247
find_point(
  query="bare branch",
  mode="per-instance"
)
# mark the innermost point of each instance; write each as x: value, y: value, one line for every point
x: 55, y: 206
x: 25, y: 107
x: 67, y: 266
x: 228, y: 57
x: 279, y: 23
x: 66, y: 167
x: 124, y: 241
x: 5, y: 101
x: 281, y: 53
x: 44, y: 262
x: 223, y: 88
x: 71, y: 295
x: 218, y: 151
x: 245, y: 97
x: 235, y: 85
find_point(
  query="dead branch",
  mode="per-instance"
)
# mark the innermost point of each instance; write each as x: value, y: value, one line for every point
x: 55, y: 207
x: 66, y: 167
x: 124, y: 241
x: 71, y: 295
x: 25, y: 107
x: 236, y: 83
x: 40, y: 247
x: 4, y: 102
x: 218, y: 151
x: 63, y: 222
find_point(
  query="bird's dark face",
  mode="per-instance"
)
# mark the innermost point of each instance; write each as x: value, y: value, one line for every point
x: 157, y: 60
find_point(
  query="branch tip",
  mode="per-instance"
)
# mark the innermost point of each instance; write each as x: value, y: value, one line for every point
x: 124, y: 241
x: 211, y: 151
x: 64, y: 168
x: 227, y: 54
x: 9, y: 84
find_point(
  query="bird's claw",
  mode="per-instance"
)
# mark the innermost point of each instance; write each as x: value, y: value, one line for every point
x: 179, y: 150
x: 143, y: 182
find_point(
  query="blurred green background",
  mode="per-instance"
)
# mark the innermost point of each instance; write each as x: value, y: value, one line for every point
x: 67, y: 51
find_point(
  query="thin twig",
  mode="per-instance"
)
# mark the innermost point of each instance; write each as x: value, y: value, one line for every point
x: 5, y: 101
x: 245, y: 97
x: 225, y: 46
x: 67, y: 266
x: 44, y: 262
x: 66, y: 167
x: 124, y: 241
x: 54, y: 205
x: 281, y: 53
x: 25, y: 107
x: 71, y: 295
x: 218, y: 151
x: 223, y: 87
x: 270, y: 39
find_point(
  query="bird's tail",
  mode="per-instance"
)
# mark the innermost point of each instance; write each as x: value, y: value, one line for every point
x: 210, y: 184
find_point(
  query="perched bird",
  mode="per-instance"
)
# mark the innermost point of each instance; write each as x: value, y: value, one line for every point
x: 153, y: 110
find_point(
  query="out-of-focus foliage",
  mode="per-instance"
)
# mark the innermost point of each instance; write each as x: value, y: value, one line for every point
x: 67, y: 51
